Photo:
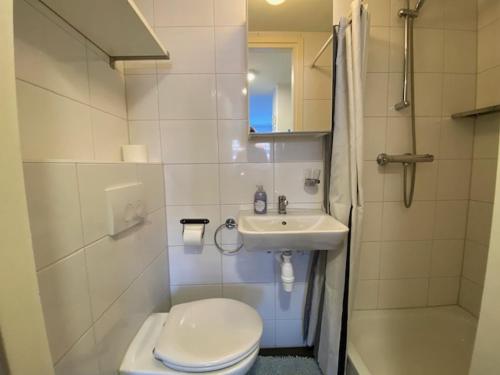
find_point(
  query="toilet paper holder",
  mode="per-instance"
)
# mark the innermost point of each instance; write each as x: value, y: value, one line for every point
x: 195, y: 221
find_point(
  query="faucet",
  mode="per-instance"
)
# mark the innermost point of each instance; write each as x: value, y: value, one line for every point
x: 282, y: 203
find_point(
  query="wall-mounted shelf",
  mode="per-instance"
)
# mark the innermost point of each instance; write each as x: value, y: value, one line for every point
x: 286, y: 134
x: 477, y: 112
x: 116, y: 27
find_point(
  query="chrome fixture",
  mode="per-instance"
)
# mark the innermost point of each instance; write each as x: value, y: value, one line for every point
x: 282, y: 203
x: 384, y: 159
x: 312, y: 177
x: 229, y: 224
x: 409, y: 160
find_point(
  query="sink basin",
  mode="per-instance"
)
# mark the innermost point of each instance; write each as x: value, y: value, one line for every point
x: 293, y: 231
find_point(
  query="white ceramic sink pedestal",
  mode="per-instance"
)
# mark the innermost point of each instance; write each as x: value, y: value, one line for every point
x: 296, y: 230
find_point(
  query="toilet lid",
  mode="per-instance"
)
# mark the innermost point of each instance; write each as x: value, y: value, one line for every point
x: 208, y: 335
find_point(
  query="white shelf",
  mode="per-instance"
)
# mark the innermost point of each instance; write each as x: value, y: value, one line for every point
x: 115, y: 26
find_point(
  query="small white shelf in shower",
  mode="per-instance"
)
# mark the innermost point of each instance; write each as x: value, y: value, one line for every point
x: 477, y: 112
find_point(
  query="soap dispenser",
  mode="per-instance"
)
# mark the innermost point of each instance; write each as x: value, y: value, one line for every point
x: 260, y: 201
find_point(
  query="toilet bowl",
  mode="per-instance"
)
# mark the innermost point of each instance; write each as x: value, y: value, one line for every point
x: 216, y: 336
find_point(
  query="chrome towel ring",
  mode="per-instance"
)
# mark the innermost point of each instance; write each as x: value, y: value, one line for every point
x: 229, y: 224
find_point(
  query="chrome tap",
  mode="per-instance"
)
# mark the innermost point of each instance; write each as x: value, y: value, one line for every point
x: 282, y: 203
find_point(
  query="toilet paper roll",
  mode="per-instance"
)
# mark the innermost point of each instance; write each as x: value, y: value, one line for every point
x: 193, y: 235
x: 135, y: 153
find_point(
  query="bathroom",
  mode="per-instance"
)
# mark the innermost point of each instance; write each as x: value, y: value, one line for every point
x: 160, y: 104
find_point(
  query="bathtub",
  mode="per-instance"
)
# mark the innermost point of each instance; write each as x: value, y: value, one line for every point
x: 430, y: 341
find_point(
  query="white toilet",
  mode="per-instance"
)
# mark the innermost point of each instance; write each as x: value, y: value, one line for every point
x: 215, y: 336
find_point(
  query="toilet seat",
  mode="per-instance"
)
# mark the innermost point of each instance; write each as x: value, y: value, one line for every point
x: 208, y: 335
x: 139, y: 359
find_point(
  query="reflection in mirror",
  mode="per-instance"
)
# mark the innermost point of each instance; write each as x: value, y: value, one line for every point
x: 286, y: 94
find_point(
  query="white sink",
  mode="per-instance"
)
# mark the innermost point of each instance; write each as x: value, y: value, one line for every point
x: 297, y: 230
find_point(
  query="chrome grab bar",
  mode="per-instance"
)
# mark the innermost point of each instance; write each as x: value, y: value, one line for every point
x: 384, y: 159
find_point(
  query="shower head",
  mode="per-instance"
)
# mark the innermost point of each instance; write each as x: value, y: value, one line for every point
x: 420, y: 4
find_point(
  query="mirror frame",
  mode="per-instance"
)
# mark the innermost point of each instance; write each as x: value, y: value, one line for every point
x: 295, y: 42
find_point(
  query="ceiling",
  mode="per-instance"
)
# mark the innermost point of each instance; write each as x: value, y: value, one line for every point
x: 272, y: 66
x: 292, y: 15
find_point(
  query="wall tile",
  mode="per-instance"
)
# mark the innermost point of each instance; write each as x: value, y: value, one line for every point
x: 142, y: 98
x: 52, y: 126
x: 400, y: 223
x: 81, y: 358
x: 268, y: 339
x: 152, y: 237
x: 54, y: 210
x: 475, y: 258
x: 460, y: 14
x: 486, y: 137
x: 403, y: 293
x: 231, y: 96
x: 487, y: 11
x: 151, y: 175
x: 488, y: 52
x: 425, y: 184
x: 298, y: 149
x: 488, y: 92
x: 195, y: 184
x: 483, y: 179
x: 479, y: 222
x: 146, y: 133
x: 190, y: 293
x: 230, y: 12
x: 470, y: 296
x: 107, y: 86
x: 451, y: 220
x: 289, y: 180
x: 312, y: 44
x: 249, y: 267
x: 238, y: 182
x: 230, y: 49
x: 408, y: 259
x: 373, y: 179
x: 48, y: 56
x: 378, y: 50
x: 456, y: 139
x: 193, y: 266
x: 123, y: 256
x: 459, y: 93
x: 457, y: 51
x: 429, y: 43
x: 376, y: 94
x: 289, y: 333
x: 147, y: 9
x: 189, y: 141
x: 260, y: 296
x: 290, y: 305
x: 177, y: 91
x: 185, y: 58
x: 109, y: 134
x: 453, y: 179
x: 235, y: 147
x: 447, y: 258
x: 66, y: 304
x: 184, y: 12
x: 443, y: 291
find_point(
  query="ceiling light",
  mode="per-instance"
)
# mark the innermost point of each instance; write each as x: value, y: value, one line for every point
x: 275, y: 2
x: 250, y: 76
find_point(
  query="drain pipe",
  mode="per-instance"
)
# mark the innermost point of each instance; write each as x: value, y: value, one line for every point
x: 287, y: 276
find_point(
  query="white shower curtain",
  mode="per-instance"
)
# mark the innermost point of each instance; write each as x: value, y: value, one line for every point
x: 346, y: 193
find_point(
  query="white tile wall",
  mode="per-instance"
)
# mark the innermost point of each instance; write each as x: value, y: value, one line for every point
x: 87, y: 279
x: 413, y: 257
x: 71, y: 103
x: 193, y: 112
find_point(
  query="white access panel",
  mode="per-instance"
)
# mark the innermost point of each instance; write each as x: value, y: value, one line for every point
x: 126, y: 207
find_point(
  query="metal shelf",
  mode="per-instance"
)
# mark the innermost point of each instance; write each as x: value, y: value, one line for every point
x: 477, y: 112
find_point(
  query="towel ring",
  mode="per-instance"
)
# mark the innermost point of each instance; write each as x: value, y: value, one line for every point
x: 229, y: 224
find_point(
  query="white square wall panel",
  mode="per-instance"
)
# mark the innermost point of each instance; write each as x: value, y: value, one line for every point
x: 192, y: 184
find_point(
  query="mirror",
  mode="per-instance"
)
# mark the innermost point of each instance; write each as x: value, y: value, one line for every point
x: 286, y: 94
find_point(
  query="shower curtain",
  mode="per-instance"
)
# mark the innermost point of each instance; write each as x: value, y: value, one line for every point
x: 346, y: 193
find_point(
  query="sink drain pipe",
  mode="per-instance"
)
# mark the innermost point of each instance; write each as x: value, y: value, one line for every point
x: 287, y: 276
